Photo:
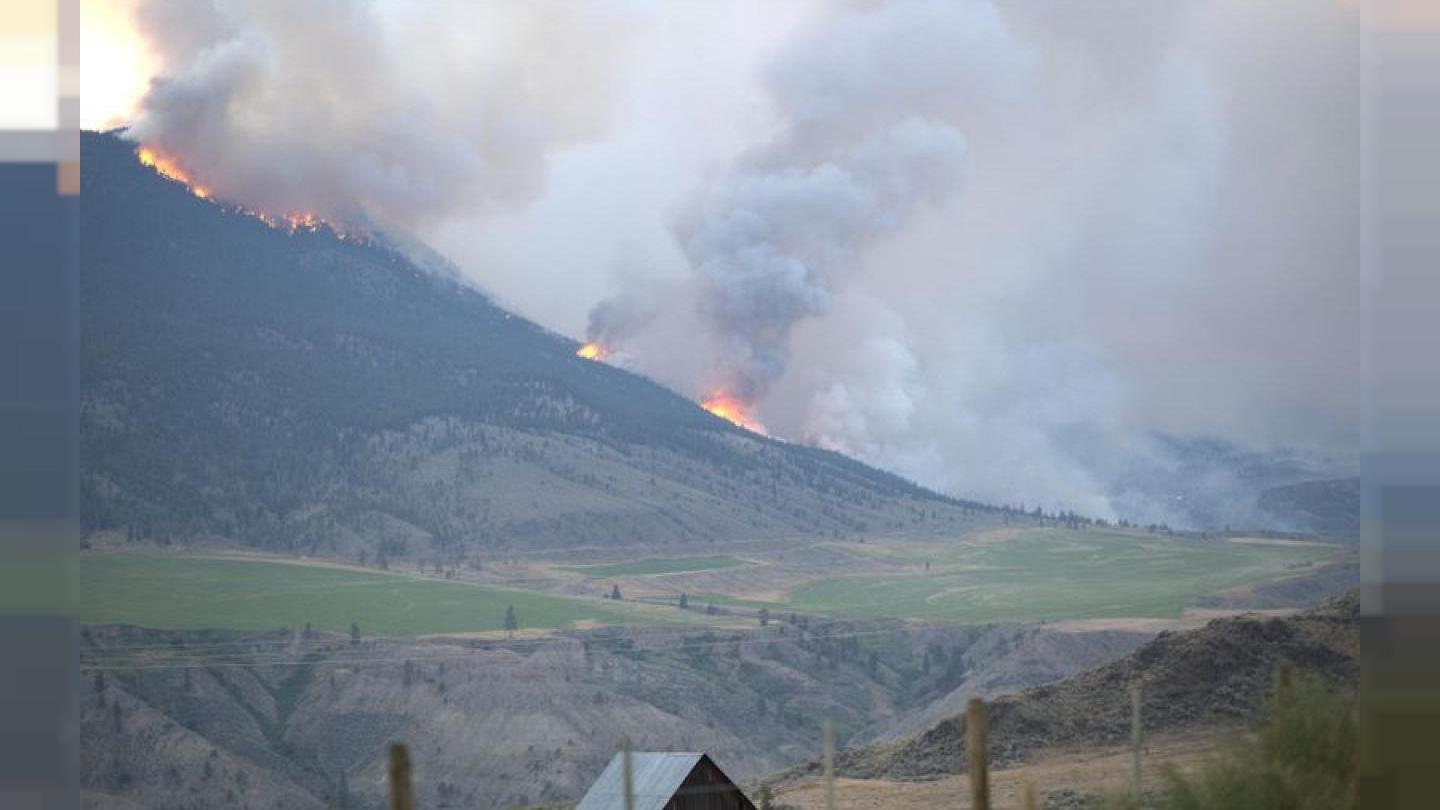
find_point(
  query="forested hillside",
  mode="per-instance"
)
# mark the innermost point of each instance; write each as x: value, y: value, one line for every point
x: 300, y: 392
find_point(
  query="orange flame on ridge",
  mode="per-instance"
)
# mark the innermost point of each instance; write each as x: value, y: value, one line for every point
x: 292, y: 221
x: 591, y: 351
x: 732, y: 410
x: 170, y: 170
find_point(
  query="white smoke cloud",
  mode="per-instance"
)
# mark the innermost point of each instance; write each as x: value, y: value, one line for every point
x: 377, y: 113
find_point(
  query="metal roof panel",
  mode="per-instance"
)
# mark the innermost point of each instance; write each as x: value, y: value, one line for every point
x: 655, y: 775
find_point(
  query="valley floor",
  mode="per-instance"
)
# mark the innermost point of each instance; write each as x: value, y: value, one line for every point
x: 1004, y: 575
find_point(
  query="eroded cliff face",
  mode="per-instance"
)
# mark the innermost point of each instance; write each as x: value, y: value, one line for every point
x: 275, y: 720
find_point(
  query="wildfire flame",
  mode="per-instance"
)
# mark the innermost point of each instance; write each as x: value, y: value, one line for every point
x: 291, y: 222
x: 591, y: 351
x: 170, y: 170
x: 732, y: 410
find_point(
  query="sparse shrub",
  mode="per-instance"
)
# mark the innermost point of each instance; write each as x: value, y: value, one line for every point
x: 1305, y: 754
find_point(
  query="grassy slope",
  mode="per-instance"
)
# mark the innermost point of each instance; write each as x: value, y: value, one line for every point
x: 1051, y: 574
x: 257, y: 595
x: 659, y: 565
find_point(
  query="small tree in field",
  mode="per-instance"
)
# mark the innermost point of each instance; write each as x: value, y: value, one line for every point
x: 511, y: 623
x: 354, y: 632
x: 615, y: 592
x: 684, y: 603
x: 764, y: 616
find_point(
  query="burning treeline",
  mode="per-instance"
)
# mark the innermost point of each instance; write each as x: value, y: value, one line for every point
x: 291, y: 221
x: 721, y: 403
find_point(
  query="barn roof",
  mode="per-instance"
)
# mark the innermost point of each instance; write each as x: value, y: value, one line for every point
x: 655, y: 776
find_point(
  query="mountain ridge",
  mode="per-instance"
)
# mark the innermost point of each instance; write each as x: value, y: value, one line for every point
x: 298, y: 391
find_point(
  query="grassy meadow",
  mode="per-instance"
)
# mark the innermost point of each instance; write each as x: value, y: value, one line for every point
x: 262, y: 595
x: 1052, y: 574
x: 1034, y: 575
x: 659, y: 565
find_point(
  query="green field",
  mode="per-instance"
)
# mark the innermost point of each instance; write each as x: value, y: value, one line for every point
x: 1051, y: 574
x: 658, y: 565
x: 259, y: 595
x: 1042, y: 574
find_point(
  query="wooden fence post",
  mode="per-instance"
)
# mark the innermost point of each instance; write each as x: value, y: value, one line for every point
x: 627, y: 774
x: 1032, y: 799
x: 977, y: 734
x: 1136, y: 734
x: 827, y: 746
x: 401, y: 795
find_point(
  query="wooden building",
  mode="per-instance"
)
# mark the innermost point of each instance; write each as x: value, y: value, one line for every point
x: 665, y: 781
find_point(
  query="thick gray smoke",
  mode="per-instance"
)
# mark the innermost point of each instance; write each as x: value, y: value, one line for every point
x: 867, y: 140
x: 382, y: 113
x: 1154, y: 238
x: 771, y: 241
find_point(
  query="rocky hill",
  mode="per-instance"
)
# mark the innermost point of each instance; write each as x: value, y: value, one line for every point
x: 1218, y: 674
x: 282, y: 720
x: 295, y: 391
x: 1327, y: 507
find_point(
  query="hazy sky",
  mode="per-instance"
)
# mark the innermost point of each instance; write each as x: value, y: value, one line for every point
x: 991, y: 245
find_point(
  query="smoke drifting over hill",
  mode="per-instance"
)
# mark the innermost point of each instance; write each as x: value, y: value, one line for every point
x: 1003, y: 248
x: 385, y: 113
x: 1150, y: 239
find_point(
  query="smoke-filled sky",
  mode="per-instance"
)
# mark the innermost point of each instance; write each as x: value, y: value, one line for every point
x: 998, y: 246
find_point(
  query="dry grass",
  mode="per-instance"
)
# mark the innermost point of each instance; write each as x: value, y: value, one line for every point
x: 1089, y: 771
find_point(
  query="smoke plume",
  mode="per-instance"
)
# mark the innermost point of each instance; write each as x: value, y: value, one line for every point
x: 1095, y: 256
x: 386, y: 113
x: 772, y: 241
x: 1153, y: 244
